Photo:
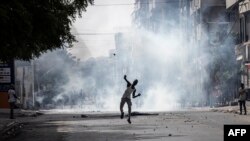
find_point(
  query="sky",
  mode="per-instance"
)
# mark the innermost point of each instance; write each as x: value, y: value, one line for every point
x: 100, y: 22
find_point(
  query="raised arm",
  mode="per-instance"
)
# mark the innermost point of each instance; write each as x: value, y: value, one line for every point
x: 134, y: 96
x: 128, y: 83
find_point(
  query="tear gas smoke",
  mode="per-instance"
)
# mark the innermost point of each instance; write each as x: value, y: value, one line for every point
x: 171, y: 73
x: 166, y: 76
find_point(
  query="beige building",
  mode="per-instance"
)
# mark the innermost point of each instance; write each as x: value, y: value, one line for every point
x: 241, y: 30
x: 213, y: 23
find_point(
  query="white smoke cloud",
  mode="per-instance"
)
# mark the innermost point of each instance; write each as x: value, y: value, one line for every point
x: 171, y: 74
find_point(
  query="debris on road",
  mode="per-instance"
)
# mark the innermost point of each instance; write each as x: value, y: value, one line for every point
x: 143, y: 114
x: 81, y: 116
x: 30, y: 114
x: 84, y: 116
x: 188, y: 120
x: 11, y: 130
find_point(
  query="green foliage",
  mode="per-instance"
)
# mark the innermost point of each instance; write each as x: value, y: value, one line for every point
x: 31, y: 27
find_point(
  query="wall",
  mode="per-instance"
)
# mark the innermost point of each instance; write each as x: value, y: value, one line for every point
x: 25, y: 83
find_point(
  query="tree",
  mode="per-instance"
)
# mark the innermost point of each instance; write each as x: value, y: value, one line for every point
x: 31, y: 27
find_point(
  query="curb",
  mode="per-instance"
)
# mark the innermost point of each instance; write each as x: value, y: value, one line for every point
x: 225, y: 111
x: 11, y: 129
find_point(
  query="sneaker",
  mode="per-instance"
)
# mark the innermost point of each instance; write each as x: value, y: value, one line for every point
x: 129, y: 121
x: 122, y: 115
x: 245, y: 114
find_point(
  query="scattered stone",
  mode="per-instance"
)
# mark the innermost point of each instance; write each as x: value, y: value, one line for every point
x: 166, y: 126
x: 188, y: 120
x: 84, y: 116
x: 143, y: 114
x: 11, y: 130
x: 39, y: 113
x: 214, y: 110
x: 29, y: 114
x: 169, y: 135
x: 33, y: 115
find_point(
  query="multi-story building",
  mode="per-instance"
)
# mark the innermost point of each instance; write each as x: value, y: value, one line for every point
x: 209, y: 21
x: 210, y: 28
x: 156, y: 15
x: 142, y: 13
x: 206, y: 29
x: 185, y: 20
x: 241, y: 31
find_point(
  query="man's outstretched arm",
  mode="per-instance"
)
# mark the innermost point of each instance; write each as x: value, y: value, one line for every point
x: 128, y: 83
x: 134, y: 96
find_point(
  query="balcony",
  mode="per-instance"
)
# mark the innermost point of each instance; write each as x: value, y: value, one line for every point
x: 197, y: 4
x: 244, y: 6
x: 210, y: 3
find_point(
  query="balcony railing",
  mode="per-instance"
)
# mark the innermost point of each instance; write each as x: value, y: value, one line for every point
x: 244, y: 6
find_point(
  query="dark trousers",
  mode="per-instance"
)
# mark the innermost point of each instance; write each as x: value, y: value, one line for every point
x: 243, y: 103
x: 128, y: 101
x: 12, y: 106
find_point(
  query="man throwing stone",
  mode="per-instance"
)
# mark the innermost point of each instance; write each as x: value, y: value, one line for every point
x: 126, y: 98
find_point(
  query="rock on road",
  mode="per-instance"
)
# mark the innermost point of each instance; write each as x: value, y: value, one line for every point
x: 171, y: 126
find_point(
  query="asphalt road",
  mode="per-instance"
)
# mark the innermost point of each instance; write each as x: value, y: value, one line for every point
x: 171, y: 126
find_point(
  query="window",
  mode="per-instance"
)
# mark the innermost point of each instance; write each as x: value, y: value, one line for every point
x: 243, y: 36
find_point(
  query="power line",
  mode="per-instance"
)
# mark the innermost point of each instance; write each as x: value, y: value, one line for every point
x: 131, y: 4
x: 96, y: 40
x: 114, y: 4
x: 108, y: 33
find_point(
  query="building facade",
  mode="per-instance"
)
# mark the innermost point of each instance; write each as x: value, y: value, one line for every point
x: 241, y: 9
x: 206, y: 27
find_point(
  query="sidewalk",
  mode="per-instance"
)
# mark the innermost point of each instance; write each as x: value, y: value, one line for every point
x: 232, y: 109
x: 4, y: 117
x: 19, y: 114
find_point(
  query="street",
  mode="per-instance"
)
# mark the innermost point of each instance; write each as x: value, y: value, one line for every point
x: 68, y: 67
x: 96, y: 126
